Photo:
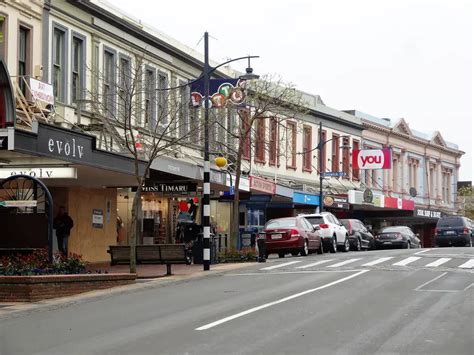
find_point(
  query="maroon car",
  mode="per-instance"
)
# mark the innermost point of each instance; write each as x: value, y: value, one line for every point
x: 293, y: 235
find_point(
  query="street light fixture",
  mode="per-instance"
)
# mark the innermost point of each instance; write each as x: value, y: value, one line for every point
x: 207, y: 70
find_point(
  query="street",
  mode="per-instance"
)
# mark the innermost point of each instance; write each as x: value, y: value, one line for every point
x: 417, y: 301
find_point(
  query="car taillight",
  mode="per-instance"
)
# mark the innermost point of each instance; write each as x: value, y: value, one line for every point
x: 294, y: 233
x: 377, y: 237
x: 436, y: 231
x: 466, y: 230
x: 323, y: 226
x: 262, y: 235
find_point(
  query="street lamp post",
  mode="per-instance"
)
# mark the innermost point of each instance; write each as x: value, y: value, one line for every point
x: 207, y: 70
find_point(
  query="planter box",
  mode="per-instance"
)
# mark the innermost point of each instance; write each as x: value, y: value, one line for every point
x: 36, y: 288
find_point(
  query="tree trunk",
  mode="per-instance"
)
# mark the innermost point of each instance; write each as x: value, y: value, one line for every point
x: 136, y: 207
x: 234, y: 223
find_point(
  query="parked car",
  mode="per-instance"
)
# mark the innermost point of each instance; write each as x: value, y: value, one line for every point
x: 397, y: 236
x: 333, y: 232
x: 454, y: 230
x: 359, y: 236
x: 293, y: 235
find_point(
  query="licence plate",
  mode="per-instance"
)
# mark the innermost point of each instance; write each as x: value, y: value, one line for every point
x: 276, y: 236
x: 450, y: 232
x: 387, y: 242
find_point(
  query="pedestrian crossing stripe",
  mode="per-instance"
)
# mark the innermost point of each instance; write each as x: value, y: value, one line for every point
x: 438, y: 262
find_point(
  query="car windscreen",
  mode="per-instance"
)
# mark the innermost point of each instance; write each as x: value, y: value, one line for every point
x: 450, y: 222
x: 281, y: 223
x: 315, y: 220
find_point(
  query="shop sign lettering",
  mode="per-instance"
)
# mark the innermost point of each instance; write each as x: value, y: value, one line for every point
x: 41, y: 173
x: 428, y: 213
x: 372, y: 158
x: 66, y: 148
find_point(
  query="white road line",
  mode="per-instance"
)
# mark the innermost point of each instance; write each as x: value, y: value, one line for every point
x: 314, y: 264
x: 407, y: 261
x: 422, y: 251
x: 378, y: 261
x: 438, y: 262
x: 265, y: 274
x: 468, y: 264
x: 266, y: 305
x: 281, y: 265
x: 428, y: 282
x: 344, y: 262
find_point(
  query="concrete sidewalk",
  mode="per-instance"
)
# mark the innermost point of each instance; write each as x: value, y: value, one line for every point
x: 148, y: 271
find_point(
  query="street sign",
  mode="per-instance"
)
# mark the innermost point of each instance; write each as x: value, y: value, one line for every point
x: 334, y: 174
x: 232, y: 190
x: 19, y: 203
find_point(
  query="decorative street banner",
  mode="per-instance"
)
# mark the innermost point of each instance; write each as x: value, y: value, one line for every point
x: 221, y: 92
x: 366, y: 159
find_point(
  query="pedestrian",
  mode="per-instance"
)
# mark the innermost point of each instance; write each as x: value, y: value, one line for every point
x: 63, y: 225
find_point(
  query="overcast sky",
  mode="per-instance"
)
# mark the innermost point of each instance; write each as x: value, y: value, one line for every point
x: 404, y: 58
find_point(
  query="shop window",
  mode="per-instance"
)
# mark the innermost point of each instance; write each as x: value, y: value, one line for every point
x: 78, y: 66
x: 108, y: 85
x: 59, y: 62
x: 355, y: 172
x: 260, y: 141
x: 307, y: 149
x: 273, y: 144
x: 323, y: 157
x: 24, y: 56
x: 124, y: 97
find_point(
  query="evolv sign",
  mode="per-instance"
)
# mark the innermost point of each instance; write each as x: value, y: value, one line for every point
x: 67, y: 145
x: 372, y: 159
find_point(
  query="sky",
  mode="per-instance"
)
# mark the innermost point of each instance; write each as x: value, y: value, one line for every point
x: 393, y: 59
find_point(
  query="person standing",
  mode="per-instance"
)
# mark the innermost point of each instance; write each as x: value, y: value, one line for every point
x: 63, y: 225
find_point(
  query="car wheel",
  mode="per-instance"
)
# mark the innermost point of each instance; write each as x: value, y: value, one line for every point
x: 347, y: 246
x: 358, y: 245
x: 333, y: 245
x: 304, y: 251
x: 281, y: 255
x: 320, y: 249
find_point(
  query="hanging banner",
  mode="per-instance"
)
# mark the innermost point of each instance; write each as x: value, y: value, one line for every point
x: 366, y: 159
x: 42, y: 91
x: 222, y: 92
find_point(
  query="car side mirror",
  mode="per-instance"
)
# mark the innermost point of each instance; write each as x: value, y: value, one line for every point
x: 417, y: 235
x: 316, y: 228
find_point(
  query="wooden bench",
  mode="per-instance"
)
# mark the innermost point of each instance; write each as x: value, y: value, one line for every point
x: 165, y: 254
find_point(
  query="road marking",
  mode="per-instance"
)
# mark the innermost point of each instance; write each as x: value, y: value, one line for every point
x: 378, y: 261
x: 422, y: 251
x: 407, y: 261
x: 344, y: 262
x: 266, y: 305
x: 438, y: 262
x: 292, y: 272
x: 428, y: 282
x: 468, y: 264
x: 314, y: 264
x: 281, y: 265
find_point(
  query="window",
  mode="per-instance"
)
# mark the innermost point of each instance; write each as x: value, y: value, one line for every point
x: 345, y: 156
x: 260, y: 141
x: 124, y: 97
x: 77, y: 79
x: 163, y: 98
x: 24, y: 55
x: 291, y: 146
x: 108, y: 88
x: 307, y: 149
x: 150, y: 99
x: 395, y: 173
x: 184, y: 96
x: 355, y: 172
x: 273, y: 144
x: 59, y: 63
x: 335, y: 152
x: 322, y: 159
x: 3, y: 37
x: 412, y: 173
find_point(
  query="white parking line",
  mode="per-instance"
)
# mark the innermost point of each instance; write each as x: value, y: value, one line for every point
x: 468, y: 264
x: 438, y: 262
x: 266, y: 305
x: 407, y: 261
x: 344, y: 262
x: 281, y: 265
x: 314, y: 264
x: 378, y: 261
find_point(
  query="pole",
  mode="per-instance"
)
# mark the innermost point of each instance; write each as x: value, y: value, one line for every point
x: 207, y: 167
x: 321, y: 173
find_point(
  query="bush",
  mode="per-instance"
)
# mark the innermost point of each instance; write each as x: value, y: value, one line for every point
x: 234, y: 255
x: 37, y: 263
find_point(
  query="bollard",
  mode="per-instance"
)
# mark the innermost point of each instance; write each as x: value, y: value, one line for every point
x: 262, y: 249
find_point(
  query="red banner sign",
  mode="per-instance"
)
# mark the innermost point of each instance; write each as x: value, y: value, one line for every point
x: 366, y: 159
x: 262, y: 185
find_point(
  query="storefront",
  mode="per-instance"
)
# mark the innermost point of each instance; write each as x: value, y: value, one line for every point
x: 304, y: 202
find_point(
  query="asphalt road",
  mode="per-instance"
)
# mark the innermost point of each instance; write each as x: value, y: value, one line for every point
x: 417, y: 301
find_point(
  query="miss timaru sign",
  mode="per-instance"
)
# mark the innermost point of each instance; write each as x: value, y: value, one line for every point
x: 170, y: 188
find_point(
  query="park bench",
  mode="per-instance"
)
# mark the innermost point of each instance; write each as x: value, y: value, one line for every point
x: 164, y: 254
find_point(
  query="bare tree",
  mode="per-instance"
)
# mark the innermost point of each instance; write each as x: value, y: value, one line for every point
x: 269, y: 100
x: 140, y: 118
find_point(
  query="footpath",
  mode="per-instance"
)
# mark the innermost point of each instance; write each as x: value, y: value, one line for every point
x: 148, y: 276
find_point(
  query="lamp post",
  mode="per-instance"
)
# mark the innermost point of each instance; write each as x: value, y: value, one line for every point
x: 207, y: 70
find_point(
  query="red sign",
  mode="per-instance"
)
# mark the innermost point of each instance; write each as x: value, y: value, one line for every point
x: 399, y: 203
x: 262, y: 185
x: 372, y: 158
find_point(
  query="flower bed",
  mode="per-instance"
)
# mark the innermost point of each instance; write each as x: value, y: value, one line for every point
x: 29, y: 278
x: 234, y: 255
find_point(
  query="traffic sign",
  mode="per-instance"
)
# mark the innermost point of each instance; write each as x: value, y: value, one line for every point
x: 335, y: 173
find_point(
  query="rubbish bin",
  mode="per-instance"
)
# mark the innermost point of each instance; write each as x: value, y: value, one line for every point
x: 262, y: 250
x: 198, y: 248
